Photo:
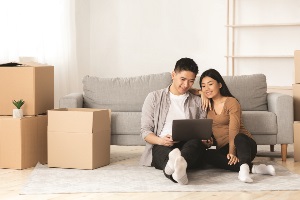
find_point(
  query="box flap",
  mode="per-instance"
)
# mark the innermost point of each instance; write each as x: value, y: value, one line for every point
x: 78, y: 120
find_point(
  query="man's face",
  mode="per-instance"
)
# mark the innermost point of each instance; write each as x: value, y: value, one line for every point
x: 182, y: 82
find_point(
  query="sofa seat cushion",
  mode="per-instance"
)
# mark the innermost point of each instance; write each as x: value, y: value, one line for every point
x: 126, y: 123
x: 125, y: 128
x: 260, y: 122
x: 122, y: 94
x: 127, y: 140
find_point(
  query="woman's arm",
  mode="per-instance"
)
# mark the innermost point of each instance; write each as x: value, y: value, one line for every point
x: 234, y: 110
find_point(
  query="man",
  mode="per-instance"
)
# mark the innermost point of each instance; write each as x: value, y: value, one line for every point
x: 160, y: 108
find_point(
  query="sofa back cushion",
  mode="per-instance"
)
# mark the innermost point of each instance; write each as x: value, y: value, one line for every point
x: 250, y: 90
x: 122, y: 94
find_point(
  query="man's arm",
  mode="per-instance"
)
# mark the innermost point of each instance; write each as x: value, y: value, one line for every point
x: 147, y: 124
x: 147, y: 119
x: 153, y: 139
x: 165, y: 141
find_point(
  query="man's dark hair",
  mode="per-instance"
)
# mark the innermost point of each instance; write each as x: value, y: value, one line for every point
x: 186, y: 64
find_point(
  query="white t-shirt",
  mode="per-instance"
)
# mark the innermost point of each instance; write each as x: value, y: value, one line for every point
x: 176, y: 111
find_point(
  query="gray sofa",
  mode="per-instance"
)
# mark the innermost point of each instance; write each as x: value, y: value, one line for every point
x: 268, y: 116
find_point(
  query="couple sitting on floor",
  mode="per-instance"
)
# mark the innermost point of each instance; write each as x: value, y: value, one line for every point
x: 235, y: 146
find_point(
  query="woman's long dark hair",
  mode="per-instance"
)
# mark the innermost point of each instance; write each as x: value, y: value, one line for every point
x: 214, y: 74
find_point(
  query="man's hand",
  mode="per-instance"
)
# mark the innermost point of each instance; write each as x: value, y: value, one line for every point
x: 167, y: 141
x: 232, y: 159
x: 208, y: 143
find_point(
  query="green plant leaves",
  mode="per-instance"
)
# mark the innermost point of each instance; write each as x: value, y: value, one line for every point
x: 19, y: 103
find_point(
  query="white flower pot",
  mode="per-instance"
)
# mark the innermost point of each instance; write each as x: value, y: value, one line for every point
x: 17, y: 113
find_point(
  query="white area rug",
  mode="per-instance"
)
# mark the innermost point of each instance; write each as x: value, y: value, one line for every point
x: 124, y: 175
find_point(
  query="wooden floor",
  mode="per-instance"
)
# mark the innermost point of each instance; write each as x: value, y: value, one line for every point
x: 11, y: 182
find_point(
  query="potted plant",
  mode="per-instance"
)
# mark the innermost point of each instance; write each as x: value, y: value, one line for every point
x: 18, y: 112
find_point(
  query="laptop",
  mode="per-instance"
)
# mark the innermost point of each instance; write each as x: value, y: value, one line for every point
x: 187, y: 129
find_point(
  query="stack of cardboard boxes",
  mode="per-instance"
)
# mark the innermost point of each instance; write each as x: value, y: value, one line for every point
x: 296, y: 96
x: 23, y: 141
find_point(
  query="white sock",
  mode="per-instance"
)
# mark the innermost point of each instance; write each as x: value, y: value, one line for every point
x: 263, y: 169
x: 244, y: 174
x: 175, y: 153
x: 179, y: 174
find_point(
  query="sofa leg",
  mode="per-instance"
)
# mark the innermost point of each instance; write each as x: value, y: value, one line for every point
x: 283, y: 151
x: 272, y: 148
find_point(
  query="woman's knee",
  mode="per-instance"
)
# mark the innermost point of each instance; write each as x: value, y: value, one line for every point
x: 240, y: 138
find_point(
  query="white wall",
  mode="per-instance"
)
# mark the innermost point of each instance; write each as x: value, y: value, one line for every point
x: 268, y: 40
x: 83, y: 37
x: 119, y: 38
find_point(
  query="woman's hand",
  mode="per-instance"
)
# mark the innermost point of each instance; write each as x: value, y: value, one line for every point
x: 205, y: 102
x: 232, y: 159
x: 167, y: 141
x: 208, y: 143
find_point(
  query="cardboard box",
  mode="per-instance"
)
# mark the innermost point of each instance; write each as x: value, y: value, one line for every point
x: 33, y: 84
x: 296, y: 98
x: 297, y: 141
x: 42, y: 149
x: 297, y: 66
x: 21, y: 141
x: 78, y: 138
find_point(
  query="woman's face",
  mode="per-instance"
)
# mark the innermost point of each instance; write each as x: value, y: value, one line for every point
x: 210, y: 87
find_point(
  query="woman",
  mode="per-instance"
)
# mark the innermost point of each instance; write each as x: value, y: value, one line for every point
x: 235, y: 146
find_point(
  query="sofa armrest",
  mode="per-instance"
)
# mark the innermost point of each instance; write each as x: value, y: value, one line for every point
x: 282, y: 106
x: 73, y: 100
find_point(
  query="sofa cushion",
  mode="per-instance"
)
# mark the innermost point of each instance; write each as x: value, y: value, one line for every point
x: 122, y: 94
x: 250, y: 90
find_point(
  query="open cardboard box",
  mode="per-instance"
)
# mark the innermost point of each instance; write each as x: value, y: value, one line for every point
x: 78, y: 138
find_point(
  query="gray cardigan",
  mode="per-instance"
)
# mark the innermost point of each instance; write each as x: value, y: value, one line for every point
x: 154, y: 113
